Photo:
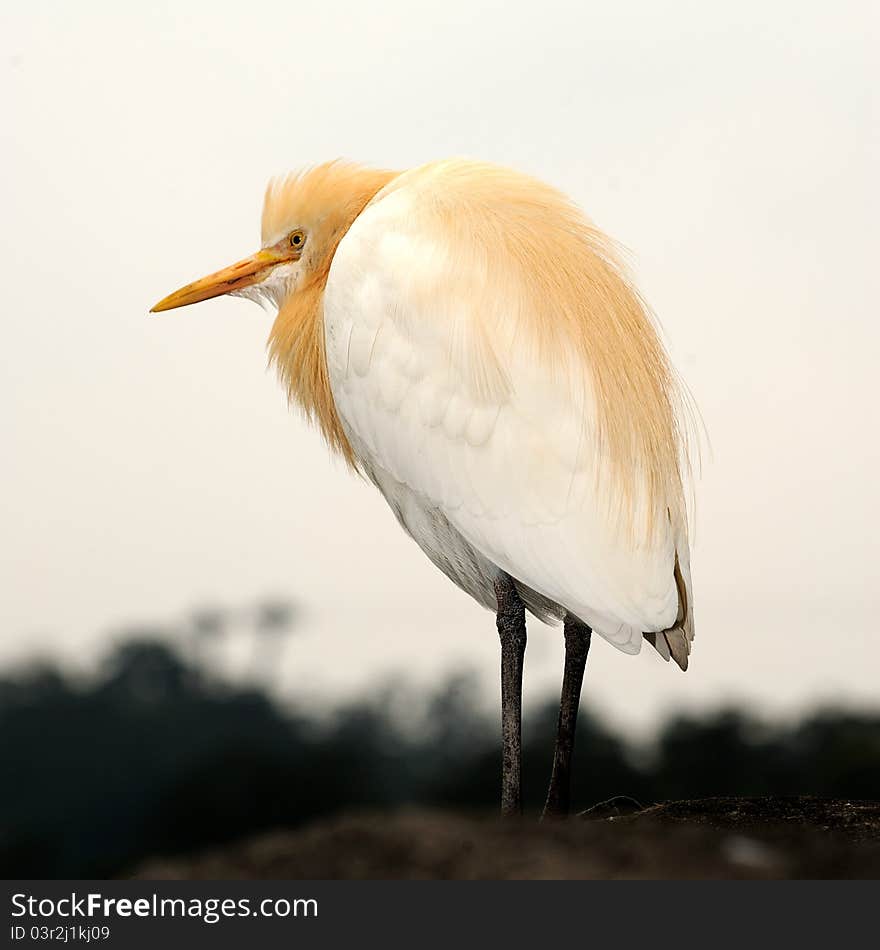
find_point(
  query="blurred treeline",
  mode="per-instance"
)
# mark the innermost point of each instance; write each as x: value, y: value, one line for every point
x: 155, y: 755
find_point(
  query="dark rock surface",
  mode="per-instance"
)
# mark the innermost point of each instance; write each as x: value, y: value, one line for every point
x: 705, y: 838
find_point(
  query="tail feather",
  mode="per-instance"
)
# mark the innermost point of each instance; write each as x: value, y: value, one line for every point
x: 676, y: 640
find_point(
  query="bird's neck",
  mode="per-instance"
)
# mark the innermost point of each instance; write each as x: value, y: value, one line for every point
x: 296, y: 341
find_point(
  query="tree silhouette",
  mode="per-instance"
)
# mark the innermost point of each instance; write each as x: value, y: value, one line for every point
x: 156, y: 755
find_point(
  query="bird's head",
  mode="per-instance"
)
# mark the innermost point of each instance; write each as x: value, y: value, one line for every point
x: 305, y: 216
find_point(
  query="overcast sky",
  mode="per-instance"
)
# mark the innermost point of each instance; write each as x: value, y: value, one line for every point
x: 150, y: 464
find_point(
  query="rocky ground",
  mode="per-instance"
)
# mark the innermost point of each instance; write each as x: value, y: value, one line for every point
x: 707, y: 838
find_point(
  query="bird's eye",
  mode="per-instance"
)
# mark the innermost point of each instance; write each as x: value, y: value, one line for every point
x: 297, y: 239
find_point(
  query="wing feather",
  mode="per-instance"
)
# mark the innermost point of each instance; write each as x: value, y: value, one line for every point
x: 439, y: 386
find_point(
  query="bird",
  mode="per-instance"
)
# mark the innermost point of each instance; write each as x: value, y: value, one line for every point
x: 470, y: 342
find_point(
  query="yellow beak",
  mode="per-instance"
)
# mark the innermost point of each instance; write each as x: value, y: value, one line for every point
x: 246, y: 272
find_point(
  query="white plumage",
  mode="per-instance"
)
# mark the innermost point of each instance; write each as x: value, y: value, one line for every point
x: 466, y: 338
x: 497, y: 475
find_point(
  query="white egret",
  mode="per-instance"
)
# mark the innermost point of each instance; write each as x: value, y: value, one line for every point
x: 466, y: 339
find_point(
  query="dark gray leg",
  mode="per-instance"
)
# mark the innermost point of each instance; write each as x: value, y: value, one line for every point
x: 511, y: 620
x: 577, y: 646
